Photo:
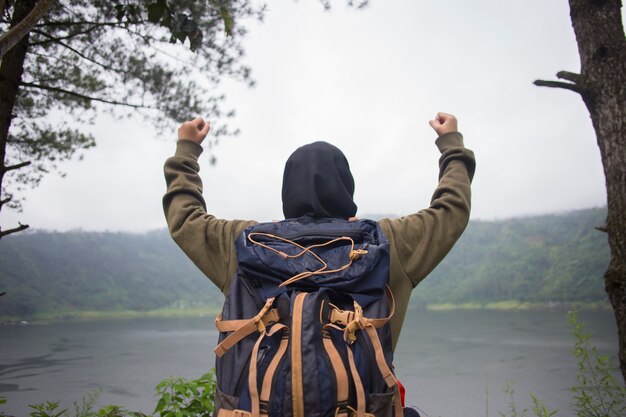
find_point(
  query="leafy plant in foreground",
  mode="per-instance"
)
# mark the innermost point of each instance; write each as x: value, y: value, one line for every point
x: 597, y: 392
x: 177, y: 397
x: 538, y: 408
x: 47, y: 409
x: 180, y: 397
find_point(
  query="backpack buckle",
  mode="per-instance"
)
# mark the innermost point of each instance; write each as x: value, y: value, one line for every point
x: 357, y: 323
x: 258, y: 319
x: 342, y: 317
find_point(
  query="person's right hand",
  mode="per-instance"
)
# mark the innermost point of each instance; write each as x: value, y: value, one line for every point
x: 444, y: 123
x: 194, y: 130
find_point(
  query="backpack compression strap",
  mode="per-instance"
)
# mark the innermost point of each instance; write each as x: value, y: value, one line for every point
x: 241, y: 329
x: 350, y: 322
x: 245, y: 327
x: 262, y: 400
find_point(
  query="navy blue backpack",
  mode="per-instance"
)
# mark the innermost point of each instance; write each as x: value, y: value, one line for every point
x: 304, y: 330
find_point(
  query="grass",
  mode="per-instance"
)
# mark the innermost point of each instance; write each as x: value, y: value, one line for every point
x: 514, y: 305
x: 208, y: 311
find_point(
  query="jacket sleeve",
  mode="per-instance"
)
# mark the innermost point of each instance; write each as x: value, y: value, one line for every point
x: 207, y: 240
x: 421, y: 240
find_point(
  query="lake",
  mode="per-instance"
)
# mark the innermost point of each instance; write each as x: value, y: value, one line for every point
x: 452, y: 363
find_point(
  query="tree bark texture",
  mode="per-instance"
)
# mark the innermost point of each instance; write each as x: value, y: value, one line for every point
x: 602, y: 85
x: 17, y: 32
x: 11, y: 70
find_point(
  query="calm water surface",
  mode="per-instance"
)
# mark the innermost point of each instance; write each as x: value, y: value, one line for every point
x: 452, y: 363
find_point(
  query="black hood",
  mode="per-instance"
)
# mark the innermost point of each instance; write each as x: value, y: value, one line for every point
x: 317, y: 182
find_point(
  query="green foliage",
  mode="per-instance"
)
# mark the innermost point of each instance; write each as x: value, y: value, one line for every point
x: 538, y: 408
x: 45, y: 273
x: 597, y: 392
x: 559, y: 258
x: 179, y: 397
x: 47, y: 409
x: 159, y: 59
x: 2, y: 401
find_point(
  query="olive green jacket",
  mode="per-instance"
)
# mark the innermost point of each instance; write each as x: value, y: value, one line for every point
x: 418, y: 242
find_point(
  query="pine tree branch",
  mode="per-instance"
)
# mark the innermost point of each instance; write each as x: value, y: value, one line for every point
x: 91, y: 26
x: 80, y: 54
x: 86, y: 97
x: 21, y: 227
x: 86, y: 22
x: 53, y: 39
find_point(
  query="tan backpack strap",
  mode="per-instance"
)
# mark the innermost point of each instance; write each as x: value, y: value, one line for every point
x: 252, y: 379
x: 266, y: 388
x: 386, y: 373
x: 255, y: 324
x: 341, y: 375
x: 232, y: 413
x: 397, y: 404
x: 358, y: 385
x: 232, y: 325
x: 346, y: 317
x: 297, y: 390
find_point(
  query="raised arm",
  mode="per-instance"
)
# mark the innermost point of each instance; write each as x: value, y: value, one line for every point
x: 207, y: 240
x: 419, y: 241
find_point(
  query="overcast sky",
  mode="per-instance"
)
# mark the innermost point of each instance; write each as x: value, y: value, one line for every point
x: 367, y: 81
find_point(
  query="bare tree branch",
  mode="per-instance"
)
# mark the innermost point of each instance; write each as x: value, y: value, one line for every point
x: 21, y: 227
x: 17, y: 32
x: 5, y: 201
x: 16, y: 166
x: 569, y: 76
x: 557, y: 84
x: 79, y: 95
x: 602, y: 228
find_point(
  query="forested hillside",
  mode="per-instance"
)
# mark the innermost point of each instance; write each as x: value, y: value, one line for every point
x: 45, y: 272
x: 546, y: 258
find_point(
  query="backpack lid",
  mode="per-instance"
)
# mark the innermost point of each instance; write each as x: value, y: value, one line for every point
x: 271, y: 253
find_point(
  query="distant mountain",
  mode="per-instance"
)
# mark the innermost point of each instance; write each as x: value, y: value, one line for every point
x: 559, y: 257
x: 48, y: 272
x: 545, y: 258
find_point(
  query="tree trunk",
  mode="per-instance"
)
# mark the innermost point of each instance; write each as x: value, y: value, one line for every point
x: 11, y: 70
x: 17, y: 32
x: 602, y: 84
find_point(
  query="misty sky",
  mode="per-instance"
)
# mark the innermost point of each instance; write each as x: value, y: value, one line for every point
x: 367, y: 81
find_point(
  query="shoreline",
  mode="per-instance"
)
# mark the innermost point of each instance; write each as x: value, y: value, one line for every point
x: 212, y: 311
x: 98, y: 315
x: 513, y: 305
